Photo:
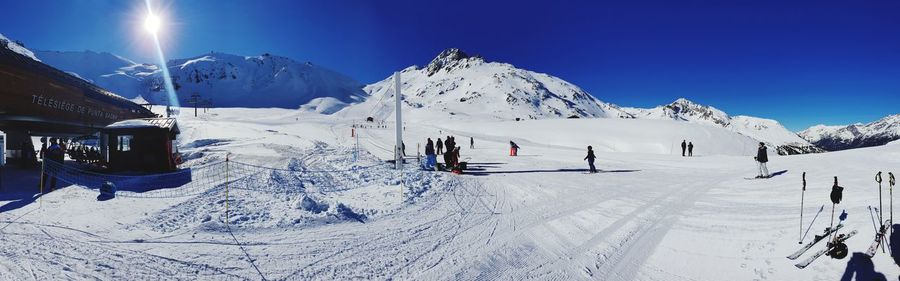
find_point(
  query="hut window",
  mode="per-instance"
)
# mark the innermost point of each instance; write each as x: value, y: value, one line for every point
x: 125, y: 143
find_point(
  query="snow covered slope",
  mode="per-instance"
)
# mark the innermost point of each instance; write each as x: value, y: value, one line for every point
x: 854, y: 136
x: 457, y: 85
x: 257, y: 81
x: 764, y: 130
x: 647, y: 215
x: 115, y: 73
x: 229, y: 80
x: 16, y: 47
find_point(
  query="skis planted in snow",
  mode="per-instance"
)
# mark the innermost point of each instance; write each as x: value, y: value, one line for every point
x: 879, y: 239
x: 815, y: 240
x: 840, y: 239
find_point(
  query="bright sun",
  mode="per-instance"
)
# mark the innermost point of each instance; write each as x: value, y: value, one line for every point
x: 152, y: 23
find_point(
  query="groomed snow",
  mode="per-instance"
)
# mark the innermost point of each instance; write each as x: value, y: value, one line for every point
x: 649, y: 215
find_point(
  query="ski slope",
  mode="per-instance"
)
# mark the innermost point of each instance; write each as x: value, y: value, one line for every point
x: 649, y: 215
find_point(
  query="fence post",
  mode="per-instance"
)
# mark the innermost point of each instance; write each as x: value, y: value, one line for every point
x: 226, y: 189
x: 41, y: 199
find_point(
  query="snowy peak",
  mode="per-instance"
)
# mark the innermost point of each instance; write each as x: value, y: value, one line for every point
x: 857, y: 135
x: 461, y: 86
x: 89, y: 65
x: 17, y: 47
x: 257, y: 81
x: 226, y: 80
x: 764, y: 130
x: 690, y: 111
x: 448, y: 60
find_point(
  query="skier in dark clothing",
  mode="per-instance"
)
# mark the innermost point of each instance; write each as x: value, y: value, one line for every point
x: 43, y: 147
x: 690, y: 149
x: 54, y: 153
x: 440, y: 147
x: 590, y: 158
x: 761, y: 158
x: 430, y: 157
x: 471, y: 143
x: 450, y: 143
x: 683, y: 147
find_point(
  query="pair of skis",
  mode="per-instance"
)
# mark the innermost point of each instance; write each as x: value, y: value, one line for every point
x: 816, y: 240
x: 835, y: 247
x: 830, y: 249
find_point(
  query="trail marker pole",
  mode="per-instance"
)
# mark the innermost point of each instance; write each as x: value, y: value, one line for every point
x: 226, y: 189
x: 41, y: 199
x: 398, y: 152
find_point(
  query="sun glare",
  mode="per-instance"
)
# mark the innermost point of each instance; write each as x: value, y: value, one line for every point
x: 152, y: 23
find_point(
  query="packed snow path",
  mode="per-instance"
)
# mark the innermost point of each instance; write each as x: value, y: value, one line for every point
x: 536, y: 216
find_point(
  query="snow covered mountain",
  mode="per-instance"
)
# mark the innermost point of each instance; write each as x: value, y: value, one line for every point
x: 459, y: 86
x: 17, y: 47
x: 858, y: 135
x: 228, y: 80
x: 258, y: 81
x: 117, y: 74
x: 765, y: 130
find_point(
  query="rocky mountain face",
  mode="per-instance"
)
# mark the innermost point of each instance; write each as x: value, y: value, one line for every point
x: 833, y: 138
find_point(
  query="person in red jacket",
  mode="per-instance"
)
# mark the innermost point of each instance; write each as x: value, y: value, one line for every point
x: 513, y: 149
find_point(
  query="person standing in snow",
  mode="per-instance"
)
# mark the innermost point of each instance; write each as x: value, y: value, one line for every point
x: 430, y: 158
x: 471, y: 143
x: 761, y: 158
x: 590, y: 158
x: 513, y: 149
x: 440, y: 147
x: 54, y: 154
x: 690, y: 149
x: 683, y: 147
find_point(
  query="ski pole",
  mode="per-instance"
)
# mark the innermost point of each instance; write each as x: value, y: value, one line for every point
x: 836, y: 196
x: 891, y: 182
x: 802, y: 194
x: 880, y: 205
x: 813, y: 222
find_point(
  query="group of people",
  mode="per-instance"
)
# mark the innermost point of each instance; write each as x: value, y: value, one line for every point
x: 451, y: 155
x: 84, y: 154
x: 687, y: 147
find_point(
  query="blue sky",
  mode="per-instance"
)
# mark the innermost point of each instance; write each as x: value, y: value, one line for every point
x: 800, y: 62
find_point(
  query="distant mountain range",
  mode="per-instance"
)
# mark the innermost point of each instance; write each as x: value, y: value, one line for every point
x: 764, y: 130
x: 459, y: 86
x: 453, y: 85
x: 858, y: 135
x: 226, y: 80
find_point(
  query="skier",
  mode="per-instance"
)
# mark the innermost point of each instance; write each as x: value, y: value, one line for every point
x: 761, y: 158
x: 683, y: 147
x: 456, y: 169
x: 54, y: 154
x: 430, y: 157
x: 590, y: 158
x: 440, y: 146
x: 690, y: 149
x: 471, y: 143
x: 513, y: 149
x: 43, y: 147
